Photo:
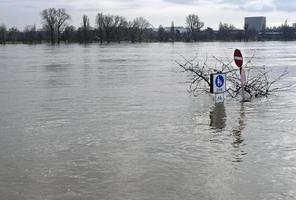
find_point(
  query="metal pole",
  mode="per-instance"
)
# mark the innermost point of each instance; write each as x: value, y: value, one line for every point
x: 243, y: 93
x: 242, y: 73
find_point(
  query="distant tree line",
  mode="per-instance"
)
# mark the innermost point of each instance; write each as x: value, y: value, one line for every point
x: 114, y: 28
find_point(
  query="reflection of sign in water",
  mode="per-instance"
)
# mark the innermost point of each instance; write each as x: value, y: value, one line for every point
x: 218, y: 116
x: 219, y: 81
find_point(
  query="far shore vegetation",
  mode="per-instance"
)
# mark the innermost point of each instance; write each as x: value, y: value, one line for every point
x: 56, y: 28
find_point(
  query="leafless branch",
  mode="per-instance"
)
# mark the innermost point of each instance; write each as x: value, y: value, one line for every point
x: 258, y: 82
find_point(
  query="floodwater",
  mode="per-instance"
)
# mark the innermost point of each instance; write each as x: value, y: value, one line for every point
x: 116, y: 122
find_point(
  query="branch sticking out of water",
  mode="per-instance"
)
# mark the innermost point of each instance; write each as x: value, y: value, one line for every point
x: 259, y: 83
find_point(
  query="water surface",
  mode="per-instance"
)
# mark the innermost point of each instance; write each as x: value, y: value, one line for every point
x: 116, y: 122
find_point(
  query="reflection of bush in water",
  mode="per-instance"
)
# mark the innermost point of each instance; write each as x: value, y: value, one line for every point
x: 218, y: 121
x: 237, y: 131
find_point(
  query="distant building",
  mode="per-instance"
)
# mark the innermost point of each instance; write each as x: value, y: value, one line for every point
x: 255, y: 23
x: 181, y: 29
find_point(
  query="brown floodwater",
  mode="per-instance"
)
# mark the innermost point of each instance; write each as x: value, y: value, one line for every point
x: 114, y: 122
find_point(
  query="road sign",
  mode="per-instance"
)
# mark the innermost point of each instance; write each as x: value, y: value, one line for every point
x: 219, y: 98
x: 238, y: 58
x: 218, y: 83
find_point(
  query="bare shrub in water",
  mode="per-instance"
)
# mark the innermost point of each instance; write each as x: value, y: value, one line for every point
x: 259, y: 83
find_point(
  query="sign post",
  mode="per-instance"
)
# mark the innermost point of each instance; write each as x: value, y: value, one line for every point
x: 218, y: 86
x: 219, y: 97
x: 238, y: 59
x: 243, y: 82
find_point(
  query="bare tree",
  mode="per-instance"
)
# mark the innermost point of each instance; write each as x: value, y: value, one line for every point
x: 161, y: 34
x: 258, y: 84
x: 172, y: 33
x: 61, y: 24
x: 225, y: 30
x: 142, y: 24
x: 120, y: 24
x: 13, y: 34
x: 100, y: 25
x: 86, y: 28
x: 29, y: 34
x: 54, y: 20
x: 3, y: 33
x: 69, y: 34
x: 108, y: 26
x: 105, y: 23
x: 194, y: 24
x: 132, y: 29
x: 49, y: 20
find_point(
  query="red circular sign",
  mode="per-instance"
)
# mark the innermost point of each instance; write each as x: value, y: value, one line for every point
x: 238, y: 58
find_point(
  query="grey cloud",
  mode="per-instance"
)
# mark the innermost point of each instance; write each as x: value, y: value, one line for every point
x: 259, y: 6
x: 94, y: 9
x: 250, y: 5
x: 180, y: 1
x: 286, y: 5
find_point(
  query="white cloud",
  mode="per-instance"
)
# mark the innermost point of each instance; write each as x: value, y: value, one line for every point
x: 259, y: 5
x: 23, y: 12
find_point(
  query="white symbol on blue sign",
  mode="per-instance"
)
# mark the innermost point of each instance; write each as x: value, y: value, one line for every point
x: 219, y: 81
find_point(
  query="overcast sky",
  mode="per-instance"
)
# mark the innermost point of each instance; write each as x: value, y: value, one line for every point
x: 25, y: 12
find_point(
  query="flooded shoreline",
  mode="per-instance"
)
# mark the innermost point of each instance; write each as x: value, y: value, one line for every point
x: 117, y: 122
